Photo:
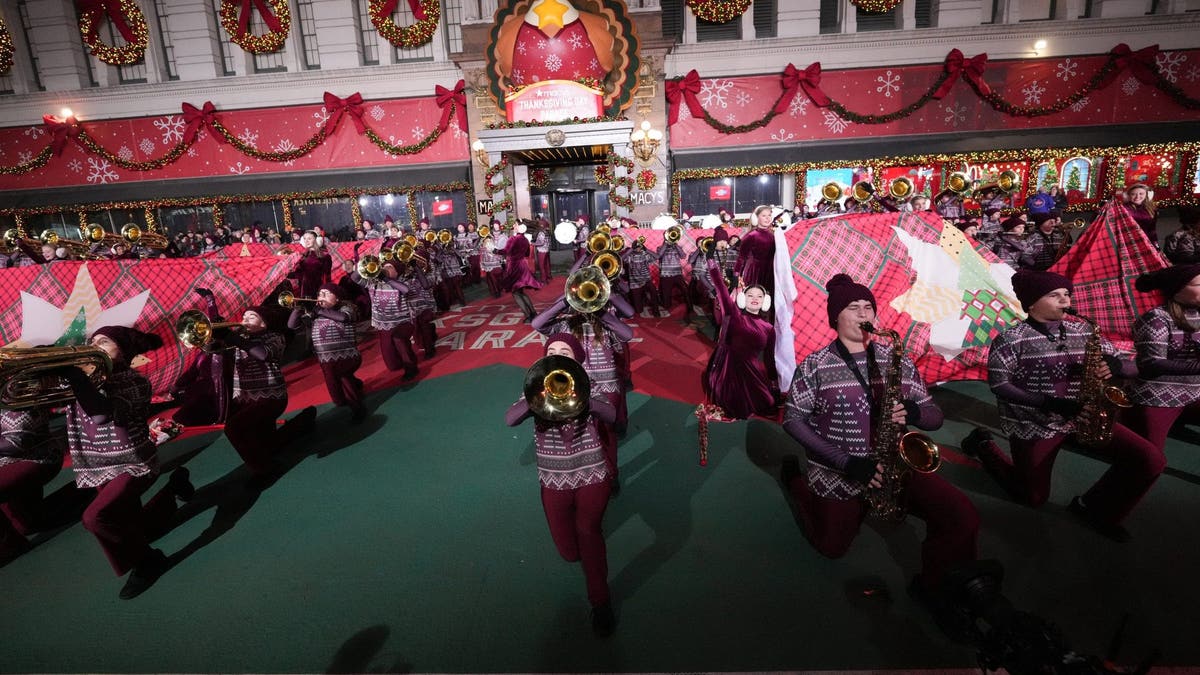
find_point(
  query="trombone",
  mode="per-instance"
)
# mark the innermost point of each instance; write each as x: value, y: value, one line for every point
x: 25, y: 380
x: 75, y: 247
x: 831, y: 191
x: 287, y: 300
x: 901, y: 189
x: 863, y: 191
x: 95, y: 234
x: 194, y: 328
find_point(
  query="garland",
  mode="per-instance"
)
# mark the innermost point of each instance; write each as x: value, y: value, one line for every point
x: 427, y: 12
x: 875, y: 6
x: 286, y: 206
x: 128, y: 20
x: 589, y: 82
x: 355, y: 215
x: 626, y: 181
x: 506, y: 202
x: 520, y: 124
x: 6, y: 48
x: 603, y: 174
x: 235, y: 19
x: 718, y: 11
x: 539, y: 178
x: 646, y: 180
x: 1111, y: 157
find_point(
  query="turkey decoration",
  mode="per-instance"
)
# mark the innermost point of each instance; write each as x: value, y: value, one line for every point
x: 554, y: 41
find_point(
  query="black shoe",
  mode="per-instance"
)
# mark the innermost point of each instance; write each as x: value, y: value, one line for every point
x: 790, y: 469
x: 971, y: 443
x: 955, y: 622
x: 603, y: 620
x: 145, y: 574
x: 409, y: 373
x: 180, y: 484
x: 1113, y: 531
x: 614, y: 487
x: 430, y: 353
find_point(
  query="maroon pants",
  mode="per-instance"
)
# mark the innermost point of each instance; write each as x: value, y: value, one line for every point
x: 454, y: 291
x: 122, y: 525
x: 1154, y: 424
x: 951, y: 522
x: 575, y: 518
x: 344, y: 387
x: 395, y: 345
x: 1136, y: 464
x: 426, y: 332
x: 668, y: 287
x: 644, y: 296
x: 543, y: 264
x: 493, y: 281
x: 21, y: 496
x: 473, y: 263
x: 252, y: 432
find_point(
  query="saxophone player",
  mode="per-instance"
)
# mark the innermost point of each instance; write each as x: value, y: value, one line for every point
x: 830, y: 411
x: 1035, y: 369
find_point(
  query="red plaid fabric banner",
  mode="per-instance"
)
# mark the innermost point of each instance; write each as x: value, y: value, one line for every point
x: 1103, y: 264
x: 63, y: 302
x: 340, y: 252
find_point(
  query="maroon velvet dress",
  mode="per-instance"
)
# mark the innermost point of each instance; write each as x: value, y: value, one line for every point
x: 756, y: 259
x: 737, y: 379
x: 517, y: 273
x: 1145, y: 220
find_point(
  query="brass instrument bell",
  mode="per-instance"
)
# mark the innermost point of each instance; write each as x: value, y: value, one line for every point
x: 430, y: 236
x: 411, y: 240
x: 598, y: 242
x: 863, y: 190
x: 901, y: 189
x: 557, y: 388
x: 616, y: 243
x: 132, y: 233
x: 831, y: 191
x: 484, y: 231
x: 287, y: 300
x: 369, y: 267
x: 402, y: 251
x: 26, y: 383
x: 674, y: 234
x: 1008, y: 181
x: 604, y: 228
x: 587, y: 289
x: 444, y: 237
x: 49, y: 237
x: 609, y: 263
x: 194, y: 328
x: 959, y: 183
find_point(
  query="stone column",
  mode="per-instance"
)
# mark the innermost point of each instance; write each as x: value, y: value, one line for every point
x: 194, y: 34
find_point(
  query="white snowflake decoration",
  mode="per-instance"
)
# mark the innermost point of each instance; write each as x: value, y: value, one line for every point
x: 125, y: 153
x: 553, y: 63
x: 239, y: 169
x: 742, y: 99
x: 321, y: 116
x: 191, y: 152
x: 24, y: 156
x: 284, y: 145
x: 99, y: 171
x: 731, y: 119
x: 1079, y: 105
x: 1168, y: 65
x: 575, y: 74
x: 521, y: 47
x: 1130, y: 86
x: 75, y: 165
x: 798, y: 106
x: 594, y: 64
x: 576, y: 41
x: 376, y: 112
x: 713, y: 93
x: 35, y: 132
x: 172, y: 129
x: 955, y: 115
x: 1193, y: 74
x: 834, y: 123
x: 1066, y: 70
x: 146, y: 146
x: 783, y: 136
x: 417, y: 133
x: 458, y: 132
x: 888, y: 83
x: 248, y: 137
x: 1033, y: 93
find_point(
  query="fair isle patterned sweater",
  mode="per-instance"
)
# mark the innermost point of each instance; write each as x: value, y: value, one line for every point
x: 389, y: 308
x: 255, y: 380
x: 569, y: 455
x: 1161, y: 345
x: 335, y: 340
x: 29, y: 438
x: 101, y: 452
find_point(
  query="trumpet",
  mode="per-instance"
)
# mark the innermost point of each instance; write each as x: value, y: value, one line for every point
x: 557, y: 389
x: 587, y: 289
x: 26, y: 383
x: 674, y: 234
x: 369, y: 267
x: 598, y: 242
x: 288, y: 301
x: 194, y: 328
x: 609, y: 263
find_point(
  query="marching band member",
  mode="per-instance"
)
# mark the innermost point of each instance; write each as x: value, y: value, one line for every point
x: 574, y: 476
x: 740, y: 376
x: 204, y: 388
x: 670, y: 259
x: 491, y: 263
x: 1168, y: 356
x: 701, y: 291
x: 541, y: 247
x: 1182, y: 247
x: 420, y: 299
x: 473, y: 254
x: 517, y: 276
x: 112, y: 451
x: 451, y: 266
x: 756, y: 259
x: 1046, y: 240
x: 464, y: 247
x: 1011, y: 246
x: 1143, y: 210
x: 831, y: 411
x: 581, y: 237
x: 260, y: 397
x: 30, y: 457
x: 336, y: 348
x: 391, y: 317
x: 1036, y: 370
x: 827, y: 207
x: 948, y: 204
x: 636, y: 265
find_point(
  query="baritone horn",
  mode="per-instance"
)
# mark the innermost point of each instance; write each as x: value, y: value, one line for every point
x: 674, y: 234
x: 608, y: 263
x: 1008, y: 181
x: 557, y: 388
x: 864, y: 191
x: 831, y: 192
x: 959, y: 183
x: 26, y: 380
x: 194, y: 328
x: 901, y: 189
x: 369, y: 267
x: 287, y: 300
x: 587, y: 289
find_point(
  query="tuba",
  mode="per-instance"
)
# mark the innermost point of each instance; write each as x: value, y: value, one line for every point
x: 26, y: 383
x: 616, y: 243
x: 598, y: 242
x: 899, y: 452
x: 1094, y: 424
x: 194, y: 328
x: 557, y: 389
x: 901, y: 189
x: 587, y: 289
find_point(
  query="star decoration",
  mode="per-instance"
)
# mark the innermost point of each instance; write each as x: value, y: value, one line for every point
x: 550, y: 16
x: 42, y: 323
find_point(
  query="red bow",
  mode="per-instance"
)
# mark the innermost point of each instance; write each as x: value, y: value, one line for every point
x: 809, y: 79
x: 96, y: 11
x: 958, y: 65
x: 336, y: 107
x: 1143, y: 63
x: 685, y: 88
x: 452, y: 99
x: 263, y: 10
x: 389, y: 6
x: 200, y: 118
x: 61, y: 131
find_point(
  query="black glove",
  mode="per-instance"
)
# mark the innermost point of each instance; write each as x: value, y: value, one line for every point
x: 205, y: 293
x: 1113, y: 363
x: 1067, y: 407
x: 912, y: 412
x: 861, y: 469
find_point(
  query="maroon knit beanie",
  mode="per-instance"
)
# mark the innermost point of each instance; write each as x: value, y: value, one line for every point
x: 1168, y: 280
x: 334, y: 289
x: 843, y: 291
x: 720, y: 234
x: 131, y: 341
x: 571, y: 341
x: 1010, y: 223
x: 1030, y: 286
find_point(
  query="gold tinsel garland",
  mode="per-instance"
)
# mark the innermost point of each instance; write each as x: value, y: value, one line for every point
x: 407, y: 37
x: 718, y: 11
x: 268, y: 42
x: 875, y: 6
x: 6, y: 48
x: 134, y: 49
x: 623, y: 201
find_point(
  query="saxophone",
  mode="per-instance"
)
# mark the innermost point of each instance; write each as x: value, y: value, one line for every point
x: 899, y: 452
x: 1094, y: 423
